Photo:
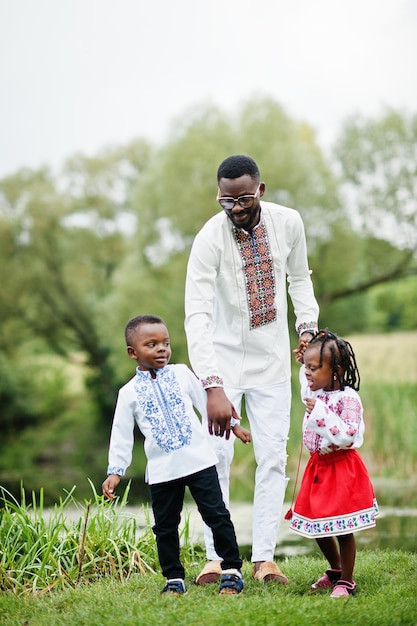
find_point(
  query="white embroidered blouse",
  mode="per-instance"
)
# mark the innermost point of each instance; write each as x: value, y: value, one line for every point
x: 336, y: 422
x: 177, y: 443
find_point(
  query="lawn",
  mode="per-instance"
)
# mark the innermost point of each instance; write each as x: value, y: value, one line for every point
x: 387, y: 596
x: 100, y: 569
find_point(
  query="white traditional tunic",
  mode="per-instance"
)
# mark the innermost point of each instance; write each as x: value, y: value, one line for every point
x: 247, y: 346
x: 176, y: 444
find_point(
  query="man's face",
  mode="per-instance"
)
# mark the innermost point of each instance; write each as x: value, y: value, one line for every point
x: 249, y: 191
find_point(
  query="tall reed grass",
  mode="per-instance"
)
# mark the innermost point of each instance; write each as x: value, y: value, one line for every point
x: 42, y: 550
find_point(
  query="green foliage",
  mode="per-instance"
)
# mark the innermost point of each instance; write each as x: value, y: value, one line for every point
x: 61, y: 553
x: 393, y: 306
x: 180, y: 183
x: 91, y: 563
x: 49, y: 426
x: 63, y: 242
x: 84, y: 250
x: 15, y: 387
x: 393, y: 441
x: 378, y: 160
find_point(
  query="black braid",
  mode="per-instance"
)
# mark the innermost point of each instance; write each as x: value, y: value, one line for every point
x: 341, y: 353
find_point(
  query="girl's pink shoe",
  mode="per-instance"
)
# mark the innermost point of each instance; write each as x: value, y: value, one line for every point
x: 328, y: 580
x: 343, y: 589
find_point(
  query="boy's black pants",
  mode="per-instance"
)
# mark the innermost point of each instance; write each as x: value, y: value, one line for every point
x: 167, y: 502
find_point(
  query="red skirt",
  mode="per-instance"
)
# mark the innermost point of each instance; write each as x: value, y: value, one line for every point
x: 336, y: 496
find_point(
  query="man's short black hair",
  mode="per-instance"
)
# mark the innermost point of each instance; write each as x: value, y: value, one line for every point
x: 236, y: 166
x: 132, y: 324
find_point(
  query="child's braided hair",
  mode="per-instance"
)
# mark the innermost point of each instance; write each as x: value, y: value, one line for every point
x: 341, y: 354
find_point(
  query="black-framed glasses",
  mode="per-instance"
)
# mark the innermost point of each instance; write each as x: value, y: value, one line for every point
x: 245, y: 202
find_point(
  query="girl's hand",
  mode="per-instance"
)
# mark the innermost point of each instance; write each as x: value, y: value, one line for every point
x: 299, y: 351
x: 242, y: 434
x: 310, y: 403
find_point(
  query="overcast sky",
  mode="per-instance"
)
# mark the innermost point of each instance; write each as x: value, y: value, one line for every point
x: 78, y: 75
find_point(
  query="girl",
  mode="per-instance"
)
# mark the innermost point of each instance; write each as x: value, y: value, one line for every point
x: 336, y: 496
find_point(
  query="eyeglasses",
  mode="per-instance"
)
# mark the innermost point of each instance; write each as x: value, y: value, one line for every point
x: 244, y: 201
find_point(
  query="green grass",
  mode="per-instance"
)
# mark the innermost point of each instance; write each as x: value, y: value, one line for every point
x: 44, y: 550
x: 100, y: 569
x: 387, y: 596
x: 387, y: 358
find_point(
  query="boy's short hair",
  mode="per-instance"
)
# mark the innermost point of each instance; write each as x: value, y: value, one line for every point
x: 133, y: 324
x: 236, y: 166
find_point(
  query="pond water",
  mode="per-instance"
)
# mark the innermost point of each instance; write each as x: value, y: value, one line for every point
x: 395, y: 529
x: 396, y: 525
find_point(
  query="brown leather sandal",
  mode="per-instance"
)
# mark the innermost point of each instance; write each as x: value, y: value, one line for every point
x: 269, y: 572
x: 210, y: 573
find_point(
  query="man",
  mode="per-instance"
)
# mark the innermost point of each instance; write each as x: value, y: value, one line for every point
x: 238, y: 340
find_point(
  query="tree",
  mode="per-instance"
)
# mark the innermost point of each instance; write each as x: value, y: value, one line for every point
x: 378, y: 162
x: 63, y: 239
x: 108, y: 237
x: 176, y: 196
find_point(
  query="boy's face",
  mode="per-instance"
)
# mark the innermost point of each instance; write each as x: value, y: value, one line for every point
x: 150, y: 346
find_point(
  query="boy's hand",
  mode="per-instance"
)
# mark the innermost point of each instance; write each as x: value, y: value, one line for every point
x: 110, y: 485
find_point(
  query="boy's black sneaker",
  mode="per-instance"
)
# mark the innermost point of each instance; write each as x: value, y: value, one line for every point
x: 175, y: 586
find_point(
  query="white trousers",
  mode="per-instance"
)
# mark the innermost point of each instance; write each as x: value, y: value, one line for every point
x: 268, y: 411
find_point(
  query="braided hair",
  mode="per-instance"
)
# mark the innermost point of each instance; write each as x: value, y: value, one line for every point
x: 342, y: 359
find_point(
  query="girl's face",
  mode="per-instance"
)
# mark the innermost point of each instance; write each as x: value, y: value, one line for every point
x: 150, y: 346
x: 319, y: 377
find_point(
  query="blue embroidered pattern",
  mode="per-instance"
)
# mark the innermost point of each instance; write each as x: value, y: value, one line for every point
x: 161, y: 401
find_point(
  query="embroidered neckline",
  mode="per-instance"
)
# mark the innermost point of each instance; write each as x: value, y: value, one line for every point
x: 163, y: 406
x: 259, y: 274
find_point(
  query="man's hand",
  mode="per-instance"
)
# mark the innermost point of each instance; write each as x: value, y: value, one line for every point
x: 219, y: 412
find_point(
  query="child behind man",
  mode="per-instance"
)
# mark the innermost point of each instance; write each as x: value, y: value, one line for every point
x: 161, y: 398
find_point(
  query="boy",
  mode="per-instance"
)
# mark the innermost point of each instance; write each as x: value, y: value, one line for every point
x: 160, y: 399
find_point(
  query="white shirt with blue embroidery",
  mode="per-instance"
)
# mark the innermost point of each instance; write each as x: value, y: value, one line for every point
x: 177, y: 443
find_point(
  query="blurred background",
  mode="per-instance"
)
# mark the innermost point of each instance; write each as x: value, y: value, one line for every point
x: 113, y: 121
